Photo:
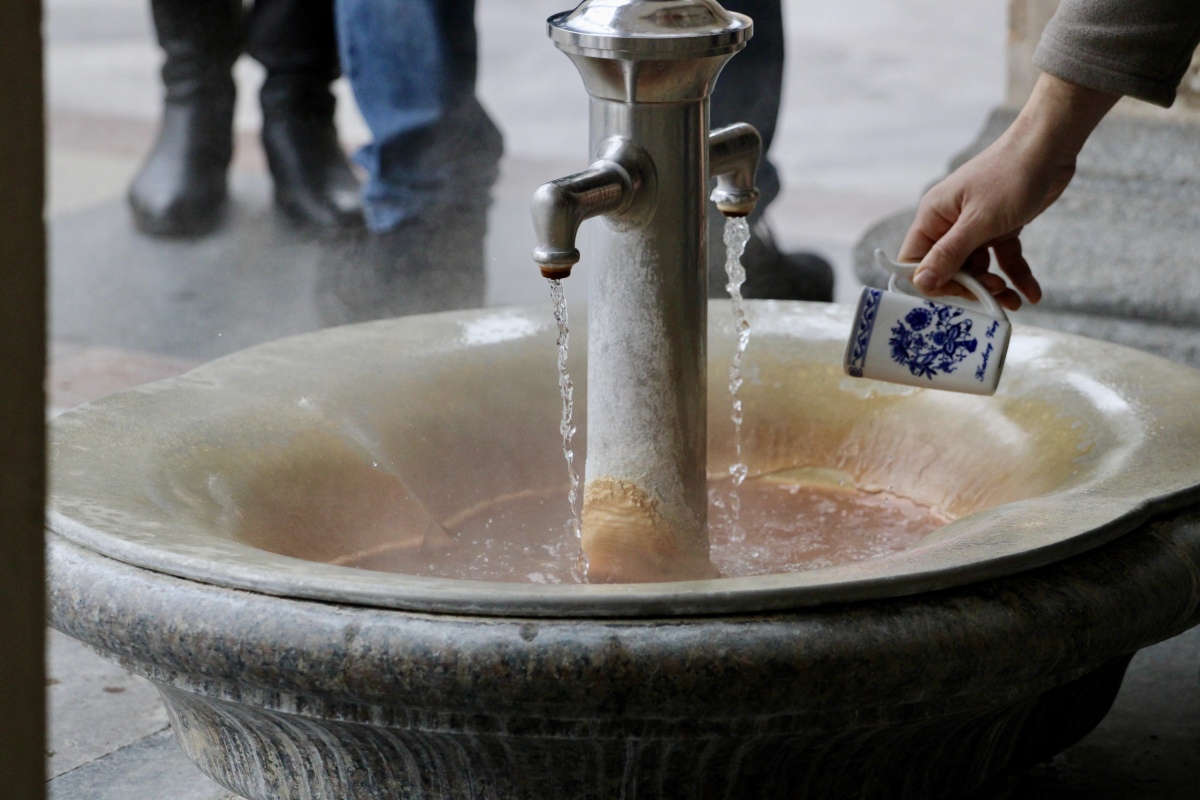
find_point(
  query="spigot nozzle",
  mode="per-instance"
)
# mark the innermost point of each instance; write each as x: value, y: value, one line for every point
x: 619, y: 183
x: 735, y: 203
x: 555, y: 264
x: 733, y: 154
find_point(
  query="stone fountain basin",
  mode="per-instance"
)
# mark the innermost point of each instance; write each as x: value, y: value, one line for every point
x: 192, y: 521
x: 255, y: 471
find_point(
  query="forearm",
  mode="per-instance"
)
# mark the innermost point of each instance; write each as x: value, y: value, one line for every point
x: 985, y: 202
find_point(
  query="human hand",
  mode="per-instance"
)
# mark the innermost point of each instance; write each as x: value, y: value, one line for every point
x: 984, y: 204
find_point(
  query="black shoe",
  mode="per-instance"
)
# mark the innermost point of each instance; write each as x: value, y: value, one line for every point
x: 424, y: 265
x: 314, y: 185
x: 772, y: 274
x: 296, y: 44
x: 313, y: 182
x: 181, y: 188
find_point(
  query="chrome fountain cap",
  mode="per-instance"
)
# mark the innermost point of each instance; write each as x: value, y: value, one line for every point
x: 650, y: 29
x: 649, y: 67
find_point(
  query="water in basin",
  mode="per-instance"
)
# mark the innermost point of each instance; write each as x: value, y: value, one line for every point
x: 789, y: 521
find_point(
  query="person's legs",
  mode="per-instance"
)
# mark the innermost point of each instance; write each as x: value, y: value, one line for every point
x: 430, y: 166
x: 181, y: 188
x: 749, y: 90
x: 412, y: 67
x: 296, y: 43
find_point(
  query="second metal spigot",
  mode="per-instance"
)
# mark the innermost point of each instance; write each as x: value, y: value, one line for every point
x: 649, y: 67
x: 620, y: 185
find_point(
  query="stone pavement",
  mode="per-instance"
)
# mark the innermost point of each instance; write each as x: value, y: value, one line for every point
x: 879, y: 94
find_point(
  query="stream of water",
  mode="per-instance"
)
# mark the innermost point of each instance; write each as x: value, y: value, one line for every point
x: 737, y: 234
x: 566, y: 425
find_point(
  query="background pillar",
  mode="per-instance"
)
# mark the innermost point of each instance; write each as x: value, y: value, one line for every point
x: 22, y: 405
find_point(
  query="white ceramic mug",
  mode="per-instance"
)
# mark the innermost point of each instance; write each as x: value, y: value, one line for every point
x: 950, y: 343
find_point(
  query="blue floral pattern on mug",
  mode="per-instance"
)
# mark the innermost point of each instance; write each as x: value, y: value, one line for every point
x: 868, y: 307
x: 932, y: 339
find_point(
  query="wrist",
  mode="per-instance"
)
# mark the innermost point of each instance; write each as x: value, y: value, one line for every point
x: 1059, y: 116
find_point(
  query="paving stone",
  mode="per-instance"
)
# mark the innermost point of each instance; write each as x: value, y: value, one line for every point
x: 253, y: 280
x: 154, y: 768
x: 249, y: 282
x: 96, y: 707
x: 84, y: 373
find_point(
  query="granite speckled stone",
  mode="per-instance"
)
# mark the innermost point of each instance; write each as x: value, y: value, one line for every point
x: 922, y: 697
x: 1119, y: 254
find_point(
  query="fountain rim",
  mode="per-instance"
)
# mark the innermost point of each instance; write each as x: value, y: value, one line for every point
x: 1105, y: 510
x: 756, y: 594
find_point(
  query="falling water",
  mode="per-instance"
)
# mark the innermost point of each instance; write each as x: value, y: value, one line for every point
x: 566, y: 425
x: 737, y: 234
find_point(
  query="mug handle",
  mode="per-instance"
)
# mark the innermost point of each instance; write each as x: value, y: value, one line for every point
x: 983, y: 299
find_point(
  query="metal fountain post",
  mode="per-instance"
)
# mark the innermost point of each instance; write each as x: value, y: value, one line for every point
x: 649, y: 67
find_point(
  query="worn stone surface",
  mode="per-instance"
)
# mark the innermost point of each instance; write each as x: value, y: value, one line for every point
x: 961, y: 682
x: 1146, y: 748
x: 1116, y: 255
x: 134, y: 473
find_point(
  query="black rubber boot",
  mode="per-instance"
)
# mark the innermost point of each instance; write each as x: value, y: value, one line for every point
x: 314, y: 185
x: 295, y: 41
x: 181, y: 189
x: 433, y: 261
x: 770, y: 273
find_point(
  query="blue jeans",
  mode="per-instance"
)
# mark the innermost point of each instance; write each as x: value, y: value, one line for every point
x: 412, y: 64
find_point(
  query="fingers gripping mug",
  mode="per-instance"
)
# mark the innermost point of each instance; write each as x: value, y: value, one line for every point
x: 951, y: 343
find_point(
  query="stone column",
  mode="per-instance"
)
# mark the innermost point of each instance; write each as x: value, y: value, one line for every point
x: 1026, y: 21
x: 22, y: 404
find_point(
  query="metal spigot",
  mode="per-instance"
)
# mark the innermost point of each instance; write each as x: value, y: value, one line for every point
x: 649, y: 67
x: 622, y: 176
x: 619, y: 184
x: 733, y: 155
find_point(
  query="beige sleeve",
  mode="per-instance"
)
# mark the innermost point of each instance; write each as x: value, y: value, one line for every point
x: 1140, y: 48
